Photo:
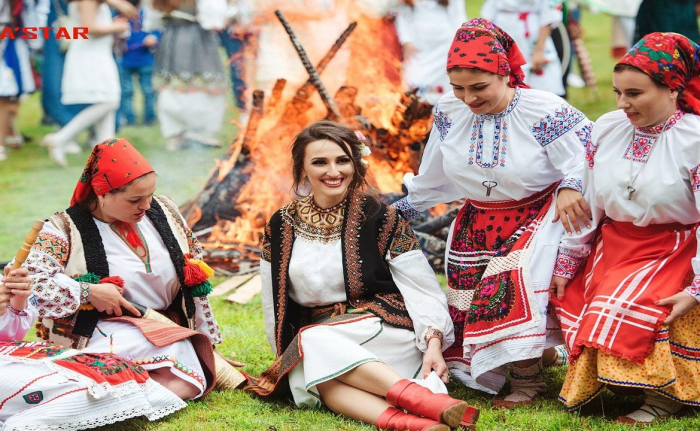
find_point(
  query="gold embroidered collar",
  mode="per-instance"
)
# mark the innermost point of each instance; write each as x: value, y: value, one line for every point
x: 318, y: 224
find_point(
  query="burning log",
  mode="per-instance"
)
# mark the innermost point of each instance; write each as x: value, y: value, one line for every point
x: 314, y: 77
x: 217, y: 198
x: 243, y: 191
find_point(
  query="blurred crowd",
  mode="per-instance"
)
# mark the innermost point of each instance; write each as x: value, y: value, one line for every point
x: 170, y: 51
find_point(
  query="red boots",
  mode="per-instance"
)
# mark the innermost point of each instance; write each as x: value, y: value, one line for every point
x: 438, y: 407
x: 395, y: 419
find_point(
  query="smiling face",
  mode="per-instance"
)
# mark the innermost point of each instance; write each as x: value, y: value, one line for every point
x: 129, y: 205
x: 329, y: 170
x: 483, y: 92
x: 646, y: 103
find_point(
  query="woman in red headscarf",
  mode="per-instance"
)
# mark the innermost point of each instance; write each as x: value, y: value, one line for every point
x: 516, y: 154
x: 630, y: 318
x: 118, y: 245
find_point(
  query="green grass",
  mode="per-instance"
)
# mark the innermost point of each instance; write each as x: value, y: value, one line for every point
x: 32, y: 187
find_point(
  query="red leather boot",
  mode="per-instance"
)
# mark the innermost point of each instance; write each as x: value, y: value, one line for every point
x: 421, y: 401
x: 394, y: 419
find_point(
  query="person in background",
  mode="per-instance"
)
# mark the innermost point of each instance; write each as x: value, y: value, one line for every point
x: 530, y: 24
x: 191, y: 88
x: 16, y: 77
x: 237, y: 34
x: 425, y: 29
x: 137, y: 58
x: 631, y: 318
x: 678, y: 16
x: 90, y: 76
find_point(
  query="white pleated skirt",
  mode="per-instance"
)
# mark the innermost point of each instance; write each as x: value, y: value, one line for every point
x: 333, y: 350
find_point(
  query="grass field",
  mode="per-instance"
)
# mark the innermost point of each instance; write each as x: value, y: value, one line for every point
x: 33, y: 187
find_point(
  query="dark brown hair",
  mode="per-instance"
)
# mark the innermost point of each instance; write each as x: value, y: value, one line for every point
x: 90, y: 203
x: 334, y: 132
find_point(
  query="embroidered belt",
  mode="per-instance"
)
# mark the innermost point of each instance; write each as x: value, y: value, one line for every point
x: 325, y: 311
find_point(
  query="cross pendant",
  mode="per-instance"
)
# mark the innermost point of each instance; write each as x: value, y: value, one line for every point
x: 489, y: 185
x: 630, y: 190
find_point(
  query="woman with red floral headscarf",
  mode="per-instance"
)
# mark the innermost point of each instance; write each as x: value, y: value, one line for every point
x: 630, y: 318
x: 119, y: 244
x: 516, y: 154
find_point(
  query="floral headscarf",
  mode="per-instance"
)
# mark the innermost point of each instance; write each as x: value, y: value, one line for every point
x: 673, y: 60
x: 480, y: 44
x: 112, y: 164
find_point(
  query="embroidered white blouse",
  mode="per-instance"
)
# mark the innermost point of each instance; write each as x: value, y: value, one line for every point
x: 316, y: 274
x: 536, y: 141
x: 151, y: 282
x: 15, y: 324
x: 661, y: 163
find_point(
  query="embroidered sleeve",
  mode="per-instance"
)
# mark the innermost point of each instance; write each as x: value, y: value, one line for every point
x: 404, y: 239
x: 57, y: 295
x: 205, y: 321
x: 694, y: 288
x: 567, y: 263
x: 15, y: 324
x: 571, y: 183
x: 556, y: 124
x: 266, y: 245
x: 194, y: 245
x: 695, y: 178
x: 406, y: 209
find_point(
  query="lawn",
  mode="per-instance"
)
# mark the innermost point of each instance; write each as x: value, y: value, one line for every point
x: 33, y: 187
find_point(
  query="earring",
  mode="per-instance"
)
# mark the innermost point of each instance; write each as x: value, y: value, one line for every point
x: 102, y: 204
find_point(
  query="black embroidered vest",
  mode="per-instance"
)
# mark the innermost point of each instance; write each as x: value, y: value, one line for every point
x: 367, y: 232
x: 85, y: 322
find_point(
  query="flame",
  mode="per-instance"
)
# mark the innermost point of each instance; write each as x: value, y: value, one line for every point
x: 369, y: 61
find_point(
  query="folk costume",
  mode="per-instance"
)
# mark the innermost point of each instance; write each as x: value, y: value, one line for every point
x: 503, y: 244
x: 191, y: 88
x: 429, y: 27
x: 74, y: 248
x: 344, y: 286
x: 523, y: 20
x: 43, y: 386
x: 642, y: 184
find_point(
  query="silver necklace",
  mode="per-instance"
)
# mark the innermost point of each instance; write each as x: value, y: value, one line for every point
x: 633, y: 178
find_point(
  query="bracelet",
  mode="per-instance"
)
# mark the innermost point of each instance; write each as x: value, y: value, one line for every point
x: 433, y: 333
x: 15, y: 311
x: 84, y: 293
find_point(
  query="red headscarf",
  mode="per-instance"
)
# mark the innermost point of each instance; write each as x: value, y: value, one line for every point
x: 113, y: 163
x: 673, y: 60
x: 480, y: 44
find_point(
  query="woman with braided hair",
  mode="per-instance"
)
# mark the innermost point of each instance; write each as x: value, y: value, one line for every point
x: 631, y: 317
x: 117, y: 245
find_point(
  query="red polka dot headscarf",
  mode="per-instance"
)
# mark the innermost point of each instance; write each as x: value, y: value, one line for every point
x: 480, y: 44
x: 673, y: 60
x: 112, y: 164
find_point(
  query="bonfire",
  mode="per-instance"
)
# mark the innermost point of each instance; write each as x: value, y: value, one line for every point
x: 254, y: 179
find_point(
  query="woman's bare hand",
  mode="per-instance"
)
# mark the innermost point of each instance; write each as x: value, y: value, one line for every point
x: 572, y: 208
x: 107, y: 298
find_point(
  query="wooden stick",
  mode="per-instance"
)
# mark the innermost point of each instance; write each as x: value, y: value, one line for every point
x: 23, y: 252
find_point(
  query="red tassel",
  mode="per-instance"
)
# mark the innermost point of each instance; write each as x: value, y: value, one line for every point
x: 114, y: 279
x: 194, y: 275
